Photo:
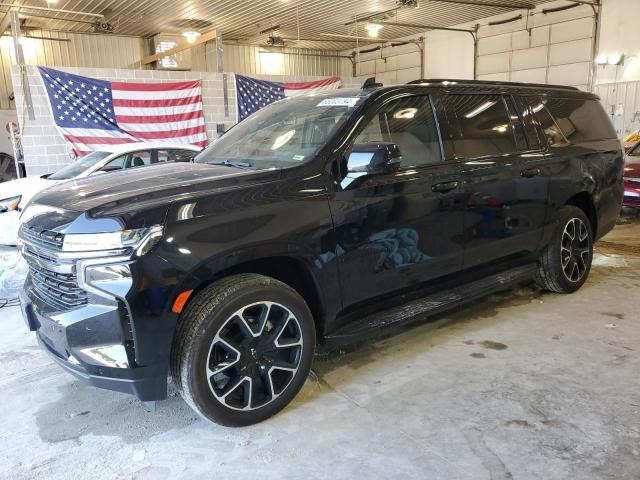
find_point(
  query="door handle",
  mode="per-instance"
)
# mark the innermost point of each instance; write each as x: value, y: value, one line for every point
x: 444, y: 187
x: 531, y: 172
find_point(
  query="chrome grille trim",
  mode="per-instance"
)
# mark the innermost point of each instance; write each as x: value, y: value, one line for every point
x: 42, y: 238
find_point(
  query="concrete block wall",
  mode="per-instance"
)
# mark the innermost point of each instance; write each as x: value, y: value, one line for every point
x: 45, y: 151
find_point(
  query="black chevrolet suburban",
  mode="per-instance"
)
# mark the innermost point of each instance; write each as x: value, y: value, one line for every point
x: 316, y: 221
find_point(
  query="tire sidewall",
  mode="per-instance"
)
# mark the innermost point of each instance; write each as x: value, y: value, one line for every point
x: 194, y: 367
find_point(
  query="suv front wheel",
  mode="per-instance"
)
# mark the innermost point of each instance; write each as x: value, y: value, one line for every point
x: 565, y: 262
x: 243, y: 349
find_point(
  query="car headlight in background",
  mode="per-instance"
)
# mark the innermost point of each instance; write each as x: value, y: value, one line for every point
x: 10, y: 204
x: 139, y: 239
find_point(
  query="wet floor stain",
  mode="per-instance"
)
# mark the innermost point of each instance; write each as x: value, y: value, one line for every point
x: 490, y: 344
x: 518, y: 423
x: 477, y: 355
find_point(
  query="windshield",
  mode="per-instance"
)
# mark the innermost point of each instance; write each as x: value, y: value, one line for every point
x: 79, y: 166
x: 282, y: 134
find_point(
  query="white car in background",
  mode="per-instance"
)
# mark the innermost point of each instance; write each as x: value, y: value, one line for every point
x: 15, y: 195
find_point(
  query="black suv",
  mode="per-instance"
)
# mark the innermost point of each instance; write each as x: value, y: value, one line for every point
x: 316, y: 221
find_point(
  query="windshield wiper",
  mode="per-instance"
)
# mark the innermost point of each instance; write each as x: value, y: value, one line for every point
x: 228, y: 163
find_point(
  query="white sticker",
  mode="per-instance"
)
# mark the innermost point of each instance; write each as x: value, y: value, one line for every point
x: 339, y: 102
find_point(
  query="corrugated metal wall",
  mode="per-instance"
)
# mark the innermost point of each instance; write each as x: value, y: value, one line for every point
x: 622, y: 102
x: 253, y: 59
x: 75, y: 50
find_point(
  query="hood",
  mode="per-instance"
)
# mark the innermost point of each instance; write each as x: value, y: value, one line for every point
x: 25, y: 187
x: 143, y: 193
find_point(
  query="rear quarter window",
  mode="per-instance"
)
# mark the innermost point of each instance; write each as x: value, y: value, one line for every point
x: 580, y: 120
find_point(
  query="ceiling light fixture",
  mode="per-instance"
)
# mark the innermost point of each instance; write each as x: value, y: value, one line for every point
x: 373, y: 29
x: 191, y: 36
x: 615, y: 59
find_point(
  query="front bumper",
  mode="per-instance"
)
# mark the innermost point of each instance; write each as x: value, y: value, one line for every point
x: 94, y: 342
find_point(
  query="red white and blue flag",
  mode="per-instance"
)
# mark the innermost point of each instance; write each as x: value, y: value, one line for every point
x: 253, y: 94
x: 91, y: 113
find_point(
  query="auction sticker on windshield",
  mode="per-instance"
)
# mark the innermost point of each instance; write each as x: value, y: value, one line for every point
x: 339, y: 102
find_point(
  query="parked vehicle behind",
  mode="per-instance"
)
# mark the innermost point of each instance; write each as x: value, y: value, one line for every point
x: 632, y: 178
x: 16, y: 194
x: 318, y: 220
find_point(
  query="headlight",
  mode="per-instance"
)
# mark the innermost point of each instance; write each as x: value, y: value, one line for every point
x: 9, y: 204
x: 140, y: 239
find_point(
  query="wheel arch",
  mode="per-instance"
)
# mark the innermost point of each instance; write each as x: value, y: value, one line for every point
x: 584, y: 201
x: 294, y: 270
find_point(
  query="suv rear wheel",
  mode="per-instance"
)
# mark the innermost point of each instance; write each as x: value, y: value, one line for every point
x: 565, y: 263
x: 243, y: 349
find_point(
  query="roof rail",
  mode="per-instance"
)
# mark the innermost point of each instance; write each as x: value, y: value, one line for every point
x: 445, y: 81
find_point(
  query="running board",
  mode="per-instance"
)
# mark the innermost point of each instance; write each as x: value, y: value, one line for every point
x: 431, y: 304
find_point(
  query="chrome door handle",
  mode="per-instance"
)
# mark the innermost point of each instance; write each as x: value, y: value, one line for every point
x: 444, y: 187
x: 531, y: 172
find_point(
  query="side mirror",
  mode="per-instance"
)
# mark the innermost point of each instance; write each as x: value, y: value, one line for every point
x: 374, y: 158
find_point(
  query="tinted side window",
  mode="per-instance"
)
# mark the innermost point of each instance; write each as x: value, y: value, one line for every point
x: 555, y: 136
x: 485, y: 126
x: 410, y: 123
x: 180, y: 155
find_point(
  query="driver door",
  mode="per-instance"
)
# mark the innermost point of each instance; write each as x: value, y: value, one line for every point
x: 398, y: 229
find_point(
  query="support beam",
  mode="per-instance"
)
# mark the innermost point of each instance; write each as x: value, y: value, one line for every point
x: 53, y: 10
x: 483, y: 3
x: 180, y: 48
x: 24, y: 79
x: 424, y: 27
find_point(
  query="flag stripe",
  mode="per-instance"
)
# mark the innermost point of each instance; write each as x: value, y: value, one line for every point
x: 154, y: 87
x: 143, y: 119
x: 309, y: 85
x: 145, y: 95
x: 154, y: 111
x: 172, y: 133
x: 164, y: 102
x: 164, y: 126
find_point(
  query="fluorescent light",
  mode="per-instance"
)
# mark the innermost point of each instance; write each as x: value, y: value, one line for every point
x: 405, y: 113
x: 601, y: 59
x: 191, y: 36
x: 373, y: 29
x: 480, y: 109
x: 615, y: 58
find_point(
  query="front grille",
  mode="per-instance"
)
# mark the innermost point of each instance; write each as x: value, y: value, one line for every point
x: 42, y: 238
x: 58, y: 290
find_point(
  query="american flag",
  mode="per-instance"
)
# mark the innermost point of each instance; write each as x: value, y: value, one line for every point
x: 90, y: 113
x: 253, y: 94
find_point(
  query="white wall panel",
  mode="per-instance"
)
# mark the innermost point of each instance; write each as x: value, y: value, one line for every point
x: 534, y: 75
x: 495, y: 77
x: 529, y: 58
x: 574, y: 74
x: 494, y: 44
x: 570, y: 52
x: 495, y: 63
x: 574, y: 30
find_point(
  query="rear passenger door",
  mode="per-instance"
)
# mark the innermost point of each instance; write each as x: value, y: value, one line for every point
x: 505, y: 195
x: 402, y: 228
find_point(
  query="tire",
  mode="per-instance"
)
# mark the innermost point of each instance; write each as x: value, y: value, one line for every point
x: 564, y: 263
x: 215, y: 349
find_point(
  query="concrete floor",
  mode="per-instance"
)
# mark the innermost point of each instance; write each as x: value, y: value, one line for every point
x: 524, y: 385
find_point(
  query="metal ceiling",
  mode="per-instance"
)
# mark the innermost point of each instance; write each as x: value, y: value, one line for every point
x: 244, y: 20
